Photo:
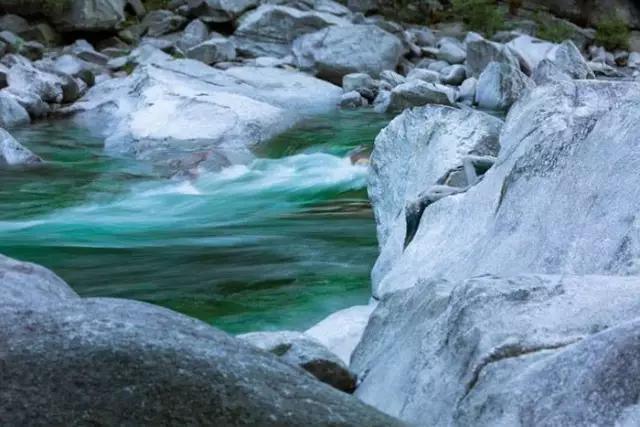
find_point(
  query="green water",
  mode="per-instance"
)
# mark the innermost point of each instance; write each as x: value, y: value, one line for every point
x: 279, y: 243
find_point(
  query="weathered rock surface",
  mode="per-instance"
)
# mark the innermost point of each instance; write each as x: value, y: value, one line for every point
x: 421, y: 148
x: 335, y: 51
x: 560, y: 199
x: 219, y: 11
x: 298, y: 349
x: 217, y: 49
x: 500, y: 85
x: 530, y: 51
x: 523, y: 350
x: 67, y: 360
x: 352, y: 99
x: 341, y: 331
x: 11, y: 112
x: 72, y: 15
x: 416, y: 93
x: 176, y: 106
x: 481, y: 52
x: 270, y: 30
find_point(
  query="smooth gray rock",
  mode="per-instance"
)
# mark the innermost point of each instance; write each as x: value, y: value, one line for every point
x: 361, y: 83
x: 12, y: 114
x: 219, y: 11
x: 500, y: 85
x: 419, y: 149
x: 336, y: 51
x: 85, y: 51
x: 12, y: 273
x: 160, y: 22
x: 523, y: 350
x: 194, y: 34
x: 451, y: 51
x: 381, y: 103
x: 570, y: 61
x: 352, y: 99
x: 24, y: 285
x: 119, y: 362
x: 72, y: 15
x: 453, y: 75
x: 560, y: 199
x: 467, y: 90
x: 270, y: 30
x: 301, y: 350
x: 481, y: 52
x: 416, y: 93
x: 548, y: 72
x: 217, y: 49
x: 29, y: 101
x: 27, y: 78
x: 202, y: 109
x: 428, y: 76
x: 530, y: 51
x: 392, y: 78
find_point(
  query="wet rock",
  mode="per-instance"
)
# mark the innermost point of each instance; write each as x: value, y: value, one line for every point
x: 352, y: 99
x: 335, y: 51
x: 302, y: 351
x: 16, y: 276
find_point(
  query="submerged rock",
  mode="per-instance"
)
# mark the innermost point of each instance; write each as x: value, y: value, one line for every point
x: 12, y: 153
x: 298, y: 349
x: 524, y: 350
x: 336, y: 51
x: 167, y: 107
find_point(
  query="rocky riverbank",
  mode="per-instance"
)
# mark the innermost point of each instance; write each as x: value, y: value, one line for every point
x: 505, y: 289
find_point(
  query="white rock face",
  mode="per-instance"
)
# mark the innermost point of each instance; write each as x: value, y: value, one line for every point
x: 11, y: 112
x: 561, y: 198
x: 13, y: 153
x: 173, y: 105
x: 530, y: 51
x: 416, y: 93
x: 341, y: 331
x: 419, y: 149
x: 336, y: 51
x: 481, y: 52
x: 490, y: 351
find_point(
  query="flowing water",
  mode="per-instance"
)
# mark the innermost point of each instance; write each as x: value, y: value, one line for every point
x: 279, y: 243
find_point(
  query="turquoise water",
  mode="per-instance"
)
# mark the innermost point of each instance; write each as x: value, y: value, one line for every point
x: 279, y: 243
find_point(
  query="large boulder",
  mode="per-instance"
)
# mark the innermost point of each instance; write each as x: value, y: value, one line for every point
x: 301, y: 350
x: 481, y: 52
x: 218, y: 11
x: 184, y: 106
x: 217, y: 49
x: 522, y: 350
x: 67, y: 360
x: 569, y: 60
x: 500, y: 85
x: 421, y: 148
x: 13, y: 153
x: 562, y: 197
x: 270, y: 30
x: 335, y: 51
x: 72, y: 15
